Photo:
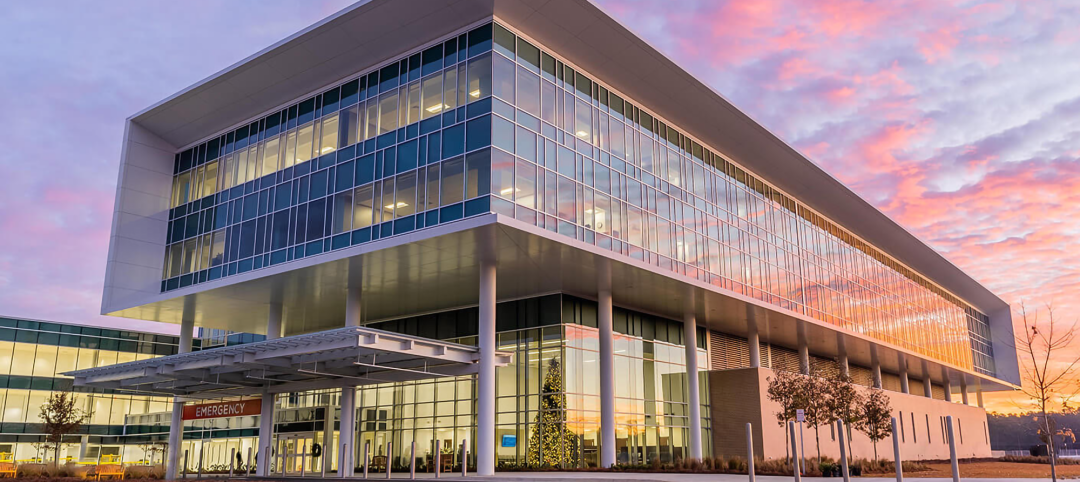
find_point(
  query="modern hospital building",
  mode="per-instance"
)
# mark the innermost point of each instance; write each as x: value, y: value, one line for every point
x: 516, y: 225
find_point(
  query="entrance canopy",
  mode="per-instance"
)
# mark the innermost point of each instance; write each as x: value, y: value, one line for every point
x: 335, y: 358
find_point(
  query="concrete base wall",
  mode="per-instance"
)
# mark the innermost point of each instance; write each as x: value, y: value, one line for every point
x: 739, y: 396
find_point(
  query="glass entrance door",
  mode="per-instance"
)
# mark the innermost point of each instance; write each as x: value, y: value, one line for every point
x: 294, y: 453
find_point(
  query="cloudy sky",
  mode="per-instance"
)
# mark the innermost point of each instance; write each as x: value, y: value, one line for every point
x: 960, y: 119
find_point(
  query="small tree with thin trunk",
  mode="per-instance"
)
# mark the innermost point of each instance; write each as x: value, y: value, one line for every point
x: 785, y: 389
x: 1048, y: 361
x: 844, y: 403
x: 60, y: 416
x: 815, y: 404
x: 875, y: 421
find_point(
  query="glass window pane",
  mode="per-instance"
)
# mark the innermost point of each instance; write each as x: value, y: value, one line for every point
x: 388, y: 118
x: 432, y: 96
x: 23, y: 353
x: 217, y: 252
x: 210, y: 179
x: 387, y: 202
x: 406, y: 195
x: 450, y: 88
x: 525, y: 186
x: 433, y: 186
x: 329, y: 134
x: 363, y: 207
x: 503, y: 78
x: 411, y: 105
x: 502, y: 174
x: 479, y: 77
x: 343, y: 205
x: 304, y: 141
x: 528, y: 91
x: 478, y: 177
x: 453, y: 172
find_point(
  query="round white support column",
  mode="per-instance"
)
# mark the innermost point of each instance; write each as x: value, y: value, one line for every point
x: 927, y: 387
x: 347, y: 432
x: 964, y: 391
x: 273, y: 322
x: 266, y: 432
x: 841, y: 357
x: 485, y: 417
x: 753, y: 342
x: 947, y: 384
x: 176, y: 422
x: 693, y: 389
x: 804, y: 351
x: 904, y: 381
x: 875, y: 368
x: 352, y: 307
x: 607, y: 370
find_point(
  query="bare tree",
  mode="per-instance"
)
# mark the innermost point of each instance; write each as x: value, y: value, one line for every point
x: 785, y: 389
x: 60, y: 416
x: 1048, y: 361
x: 876, y: 413
x: 816, y: 407
x: 845, y: 403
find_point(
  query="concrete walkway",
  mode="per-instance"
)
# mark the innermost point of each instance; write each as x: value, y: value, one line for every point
x: 617, y: 476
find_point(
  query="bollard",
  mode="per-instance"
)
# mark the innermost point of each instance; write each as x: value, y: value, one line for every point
x: 303, y: 459
x: 896, y: 453
x: 843, y: 451
x: 438, y: 458
x: 952, y: 450
x: 794, y: 452
x: 199, y: 476
x: 464, y: 459
x: 750, y: 451
x: 232, y: 462
x: 247, y: 467
x: 389, y: 450
x: 185, y: 461
x: 412, y: 462
x: 366, y: 458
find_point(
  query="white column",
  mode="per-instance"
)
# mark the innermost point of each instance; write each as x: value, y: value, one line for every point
x: 266, y: 432
x: 904, y: 382
x: 875, y: 368
x: 753, y: 341
x: 964, y: 390
x: 804, y: 351
x: 347, y: 432
x: 485, y: 434
x: 842, y: 358
x: 928, y: 388
x: 947, y: 384
x: 266, y: 414
x: 607, y: 370
x: 352, y: 307
x: 83, y: 442
x: 176, y: 425
x: 273, y: 322
x: 690, y: 341
x: 978, y: 394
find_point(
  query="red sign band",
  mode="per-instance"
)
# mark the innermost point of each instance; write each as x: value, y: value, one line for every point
x: 223, y: 409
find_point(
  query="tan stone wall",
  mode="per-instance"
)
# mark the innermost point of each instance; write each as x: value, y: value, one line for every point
x: 738, y: 396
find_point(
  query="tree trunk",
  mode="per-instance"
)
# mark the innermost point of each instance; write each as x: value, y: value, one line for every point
x: 56, y: 456
x: 875, y: 451
x: 817, y: 442
x: 1050, y: 451
x: 787, y: 443
x: 850, y: 454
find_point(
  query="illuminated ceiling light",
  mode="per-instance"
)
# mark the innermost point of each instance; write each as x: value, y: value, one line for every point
x: 507, y: 191
x: 475, y: 93
x: 582, y: 134
x: 326, y: 149
x: 399, y: 205
x: 588, y: 211
x: 435, y: 108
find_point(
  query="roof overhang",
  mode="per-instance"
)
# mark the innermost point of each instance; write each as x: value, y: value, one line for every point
x: 437, y: 268
x: 343, y: 357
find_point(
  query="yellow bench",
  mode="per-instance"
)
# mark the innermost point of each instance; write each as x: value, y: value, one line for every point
x: 7, y: 465
x: 110, y: 466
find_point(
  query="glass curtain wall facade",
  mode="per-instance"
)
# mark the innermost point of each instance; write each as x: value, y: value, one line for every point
x: 547, y: 400
x: 490, y: 122
x: 33, y: 356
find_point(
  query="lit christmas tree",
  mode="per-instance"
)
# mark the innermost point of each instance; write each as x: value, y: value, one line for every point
x: 552, y: 444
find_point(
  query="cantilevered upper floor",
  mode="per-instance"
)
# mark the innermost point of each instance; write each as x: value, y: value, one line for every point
x: 394, y: 143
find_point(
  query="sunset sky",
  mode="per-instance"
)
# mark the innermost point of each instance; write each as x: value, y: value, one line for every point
x: 959, y: 119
